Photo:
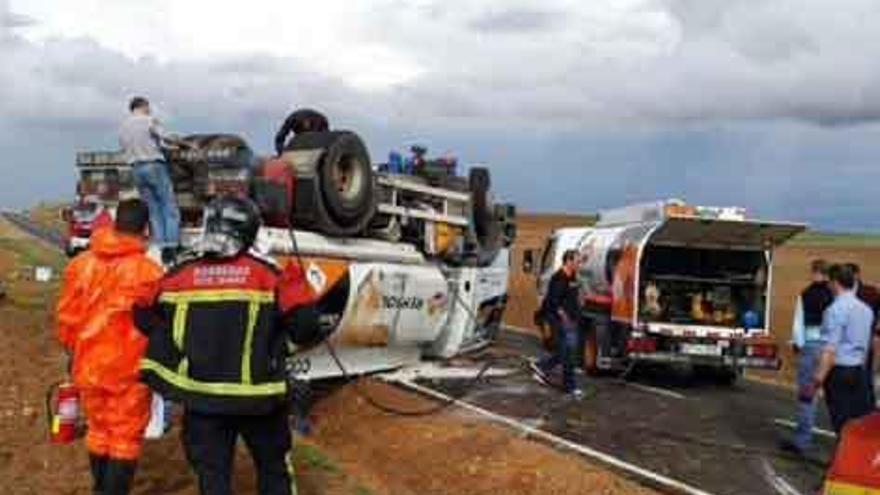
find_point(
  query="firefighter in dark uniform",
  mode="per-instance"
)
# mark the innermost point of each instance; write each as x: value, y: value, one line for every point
x: 218, y: 334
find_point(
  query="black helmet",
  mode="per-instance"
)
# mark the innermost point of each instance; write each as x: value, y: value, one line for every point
x: 230, y: 226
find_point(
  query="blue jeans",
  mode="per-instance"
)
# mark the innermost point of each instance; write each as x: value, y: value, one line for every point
x: 808, y: 360
x: 566, y: 343
x: 155, y: 188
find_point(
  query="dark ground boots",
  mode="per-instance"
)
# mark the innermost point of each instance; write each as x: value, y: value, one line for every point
x: 112, y: 476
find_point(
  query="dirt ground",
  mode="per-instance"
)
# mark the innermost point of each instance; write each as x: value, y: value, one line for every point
x: 790, y: 276
x: 354, y: 449
x: 454, y: 452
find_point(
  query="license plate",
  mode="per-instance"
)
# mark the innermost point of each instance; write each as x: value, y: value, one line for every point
x: 701, y: 349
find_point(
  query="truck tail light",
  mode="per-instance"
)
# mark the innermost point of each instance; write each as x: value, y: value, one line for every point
x: 641, y: 345
x: 761, y: 350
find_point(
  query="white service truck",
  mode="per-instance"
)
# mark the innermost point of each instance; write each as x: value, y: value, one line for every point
x: 668, y: 282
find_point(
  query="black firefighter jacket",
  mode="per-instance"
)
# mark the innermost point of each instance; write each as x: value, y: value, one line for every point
x: 219, y: 331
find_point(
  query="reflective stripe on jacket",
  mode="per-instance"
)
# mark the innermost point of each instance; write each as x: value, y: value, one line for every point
x: 218, y: 334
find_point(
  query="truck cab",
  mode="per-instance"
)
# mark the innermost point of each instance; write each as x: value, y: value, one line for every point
x: 668, y: 282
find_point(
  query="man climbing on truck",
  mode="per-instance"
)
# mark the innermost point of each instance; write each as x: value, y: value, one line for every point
x: 142, y: 139
x: 560, y: 309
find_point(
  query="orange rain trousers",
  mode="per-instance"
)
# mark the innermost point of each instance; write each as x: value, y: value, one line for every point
x: 116, y: 420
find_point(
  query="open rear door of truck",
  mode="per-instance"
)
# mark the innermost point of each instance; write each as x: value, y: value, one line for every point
x: 724, y: 234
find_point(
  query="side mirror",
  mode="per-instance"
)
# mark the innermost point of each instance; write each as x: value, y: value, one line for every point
x: 528, y: 264
x: 66, y: 214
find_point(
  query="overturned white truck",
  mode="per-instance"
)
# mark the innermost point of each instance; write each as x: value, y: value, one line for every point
x: 403, y: 266
x: 668, y: 282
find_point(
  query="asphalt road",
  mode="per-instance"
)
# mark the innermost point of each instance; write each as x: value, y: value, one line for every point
x: 720, y: 439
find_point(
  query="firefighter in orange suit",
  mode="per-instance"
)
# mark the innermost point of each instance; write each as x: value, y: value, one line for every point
x: 219, y: 331
x: 95, y: 324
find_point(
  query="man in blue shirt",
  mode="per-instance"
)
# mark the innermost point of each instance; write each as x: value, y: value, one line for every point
x: 846, y: 330
x: 869, y: 295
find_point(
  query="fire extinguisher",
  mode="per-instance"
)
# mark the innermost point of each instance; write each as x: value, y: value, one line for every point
x: 62, y: 410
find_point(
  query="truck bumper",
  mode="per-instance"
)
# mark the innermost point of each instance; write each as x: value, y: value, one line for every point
x: 718, y: 361
x: 76, y: 244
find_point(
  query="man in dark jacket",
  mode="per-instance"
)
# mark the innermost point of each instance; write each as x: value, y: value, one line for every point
x: 561, y: 310
x: 218, y: 335
x: 869, y: 295
x: 807, y: 345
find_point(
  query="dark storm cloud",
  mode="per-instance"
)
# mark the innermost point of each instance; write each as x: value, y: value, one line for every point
x: 713, y: 101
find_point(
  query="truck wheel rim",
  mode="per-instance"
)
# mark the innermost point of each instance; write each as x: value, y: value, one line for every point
x: 347, y: 175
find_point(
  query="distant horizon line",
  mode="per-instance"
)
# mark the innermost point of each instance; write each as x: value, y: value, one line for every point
x: 550, y: 213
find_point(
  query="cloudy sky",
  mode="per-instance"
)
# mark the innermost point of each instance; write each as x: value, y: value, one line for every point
x: 769, y: 104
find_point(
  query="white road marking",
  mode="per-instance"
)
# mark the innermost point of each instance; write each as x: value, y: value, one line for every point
x: 780, y: 484
x: 791, y: 424
x: 656, y: 390
x: 528, y: 331
x: 434, y: 371
x: 652, y: 477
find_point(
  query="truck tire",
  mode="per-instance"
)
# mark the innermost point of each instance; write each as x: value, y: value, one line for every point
x: 480, y: 179
x: 487, y: 231
x: 729, y: 376
x: 71, y: 251
x: 591, y: 352
x: 346, y: 180
x: 478, y: 183
x: 724, y: 376
x: 340, y: 189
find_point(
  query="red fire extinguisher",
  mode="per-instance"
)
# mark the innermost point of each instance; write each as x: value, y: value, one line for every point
x: 62, y: 409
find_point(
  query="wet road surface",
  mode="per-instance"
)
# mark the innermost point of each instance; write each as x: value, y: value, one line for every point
x: 722, y: 439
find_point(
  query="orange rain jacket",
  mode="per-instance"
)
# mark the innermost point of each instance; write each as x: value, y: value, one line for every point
x: 94, y: 314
